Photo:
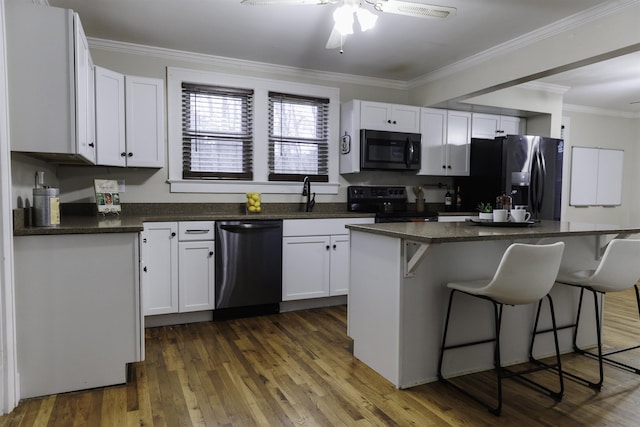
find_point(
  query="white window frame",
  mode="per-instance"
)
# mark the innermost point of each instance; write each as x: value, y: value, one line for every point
x: 261, y: 88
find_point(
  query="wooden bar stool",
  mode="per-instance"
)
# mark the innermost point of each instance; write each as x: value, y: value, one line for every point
x: 525, y: 275
x: 618, y: 270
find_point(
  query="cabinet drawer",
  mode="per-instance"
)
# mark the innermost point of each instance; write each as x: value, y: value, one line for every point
x: 195, y: 230
x: 320, y: 227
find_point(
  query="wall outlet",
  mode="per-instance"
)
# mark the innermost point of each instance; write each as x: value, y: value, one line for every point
x: 121, y: 185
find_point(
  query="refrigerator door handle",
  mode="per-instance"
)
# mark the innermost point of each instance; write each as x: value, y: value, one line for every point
x: 538, y: 174
x: 543, y: 177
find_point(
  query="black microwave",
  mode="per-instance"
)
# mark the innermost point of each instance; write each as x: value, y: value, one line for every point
x: 383, y: 150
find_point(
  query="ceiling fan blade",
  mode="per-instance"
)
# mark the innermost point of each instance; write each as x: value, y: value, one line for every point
x: 419, y: 10
x: 285, y: 2
x: 335, y: 39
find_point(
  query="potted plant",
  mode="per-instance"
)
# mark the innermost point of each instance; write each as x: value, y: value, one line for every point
x: 485, y: 211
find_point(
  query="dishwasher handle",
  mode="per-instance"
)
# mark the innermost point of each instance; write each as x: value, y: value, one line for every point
x: 248, y: 226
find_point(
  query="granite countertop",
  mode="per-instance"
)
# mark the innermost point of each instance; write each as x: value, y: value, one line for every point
x: 82, y: 218
x: 443, y: 232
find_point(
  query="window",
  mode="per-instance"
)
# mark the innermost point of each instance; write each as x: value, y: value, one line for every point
x: 298, y: 137
x: 217, y: 133
x: 221, y: 137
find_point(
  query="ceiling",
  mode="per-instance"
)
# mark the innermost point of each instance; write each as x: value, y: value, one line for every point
x: 399, y: 48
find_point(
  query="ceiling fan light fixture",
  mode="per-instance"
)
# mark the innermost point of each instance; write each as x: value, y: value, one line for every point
x: 366, y: 19
x: 419, y: 10
x: 343, y: 19
x: 284, y: 2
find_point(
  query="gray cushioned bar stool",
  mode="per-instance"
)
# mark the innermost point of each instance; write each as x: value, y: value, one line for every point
x: 525, y: 275
x: 618, y: 270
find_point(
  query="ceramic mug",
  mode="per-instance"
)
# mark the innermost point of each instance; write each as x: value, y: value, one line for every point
x: 520, y: 215
x: 499, y: 215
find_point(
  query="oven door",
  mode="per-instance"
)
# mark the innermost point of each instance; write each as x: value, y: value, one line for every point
x: 390, y: 150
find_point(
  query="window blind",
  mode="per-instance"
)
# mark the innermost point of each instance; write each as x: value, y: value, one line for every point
x: 298, y: 138
x: 217, y: 132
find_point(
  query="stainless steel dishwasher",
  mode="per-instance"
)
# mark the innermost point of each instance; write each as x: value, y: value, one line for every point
x: 248, y: 267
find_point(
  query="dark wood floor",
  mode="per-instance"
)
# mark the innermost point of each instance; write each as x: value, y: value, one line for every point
x: 296, y: 369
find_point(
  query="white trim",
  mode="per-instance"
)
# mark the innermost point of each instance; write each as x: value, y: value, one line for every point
x: 9, y: 385
x: 600, y: 111
x: 261, y: 87
x: 241, y: 65
x: 229, y: 187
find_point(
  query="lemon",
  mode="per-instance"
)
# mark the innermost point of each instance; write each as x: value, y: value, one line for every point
x: 252, y: 208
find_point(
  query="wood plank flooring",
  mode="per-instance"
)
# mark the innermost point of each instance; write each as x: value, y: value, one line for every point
x: 296, y: 369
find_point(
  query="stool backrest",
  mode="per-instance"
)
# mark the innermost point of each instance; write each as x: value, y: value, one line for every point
x: 619, y: 268
x: 526, y: 273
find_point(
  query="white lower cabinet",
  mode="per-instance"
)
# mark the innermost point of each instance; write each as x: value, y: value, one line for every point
x: 196, y: 279
x: 177, y: 267
x: 315, y: 257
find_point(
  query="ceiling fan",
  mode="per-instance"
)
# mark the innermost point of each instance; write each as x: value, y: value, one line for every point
x: 344, y: 13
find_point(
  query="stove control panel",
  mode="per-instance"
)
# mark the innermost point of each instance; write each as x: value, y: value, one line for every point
x: 371, y: 198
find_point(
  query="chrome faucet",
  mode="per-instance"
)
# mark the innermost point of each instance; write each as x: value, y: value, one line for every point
x: 306, y: 191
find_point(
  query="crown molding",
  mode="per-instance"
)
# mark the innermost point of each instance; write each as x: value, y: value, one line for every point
x: 545, y: 87
x: 535, y: 36
x: 236, y: 64
x: 600, y: 111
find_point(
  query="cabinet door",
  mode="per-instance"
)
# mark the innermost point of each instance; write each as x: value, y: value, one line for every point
x: 305, y: 267
x: 511, y: 126
x: 84, y: 94
x: 144, y: 98
x: 485, y: 125
x: 406, y: 118
x: 159, y: 275
x: 390, y: 117
x: 458, y: 143
x: 196, y: 277
x: 110, y: 137
x: 433, y: 127
x: 339, y: 278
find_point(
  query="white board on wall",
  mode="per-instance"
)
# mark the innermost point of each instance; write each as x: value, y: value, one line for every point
x: 596, y: 176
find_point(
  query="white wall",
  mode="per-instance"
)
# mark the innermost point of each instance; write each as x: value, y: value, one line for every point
x: 593, y: 129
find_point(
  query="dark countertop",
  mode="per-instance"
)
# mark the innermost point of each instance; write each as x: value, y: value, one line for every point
x: 443, y: 232
x: 82, y: 218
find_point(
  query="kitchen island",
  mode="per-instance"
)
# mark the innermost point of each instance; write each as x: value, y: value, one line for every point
x: 398, y: 294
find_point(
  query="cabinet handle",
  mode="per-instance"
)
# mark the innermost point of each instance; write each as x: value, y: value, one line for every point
x: 173, y: 234
x: 211, y: 253
x: 193, y: 231
x: 130, y: 154
x: 444, y: 166
x: 145, y: 269
x: 449, y: 167
x: 91, y: 144
x: 123, y: 154
x: 334, y: 247
x: 328, y: 247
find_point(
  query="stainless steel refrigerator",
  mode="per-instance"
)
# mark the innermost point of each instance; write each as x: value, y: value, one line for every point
x: 529, y: 168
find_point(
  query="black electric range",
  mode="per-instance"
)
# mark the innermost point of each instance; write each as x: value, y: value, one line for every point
x: 388, y: 203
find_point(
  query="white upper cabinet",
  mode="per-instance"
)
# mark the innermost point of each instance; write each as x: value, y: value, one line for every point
x: 129, y: 120
x: 50, y: 75
x: 144, y: 111
x: 110, y: 129
x: 489, y: 126
x: 390, y: 117
x: 446, y: 138
x: 596, y: 176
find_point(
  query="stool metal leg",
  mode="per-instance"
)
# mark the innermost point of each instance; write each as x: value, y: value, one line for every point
x: 600, y: 356
x: 501, y: 372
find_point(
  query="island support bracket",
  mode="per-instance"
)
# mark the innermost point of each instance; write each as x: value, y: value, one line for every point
x: 413, y: 255
x: 600, y: 248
